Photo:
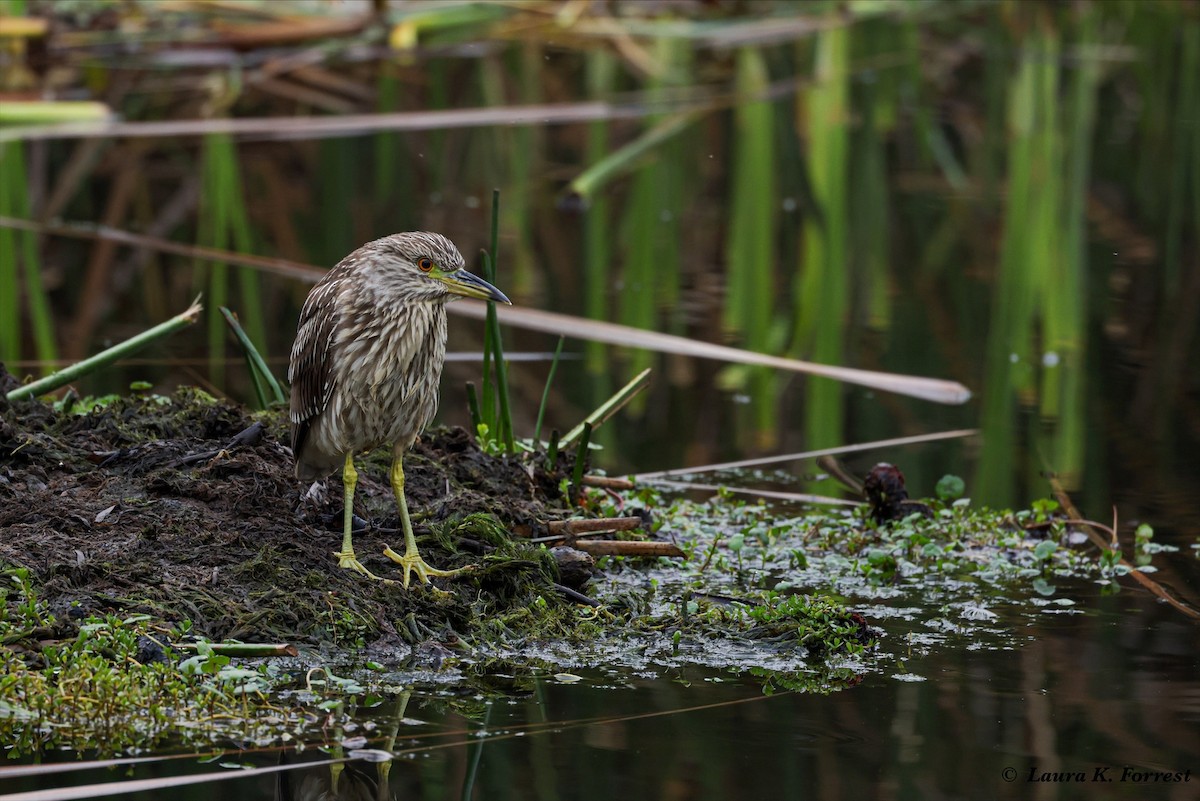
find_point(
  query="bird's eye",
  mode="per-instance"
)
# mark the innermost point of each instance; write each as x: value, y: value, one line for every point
x: 426, y: 264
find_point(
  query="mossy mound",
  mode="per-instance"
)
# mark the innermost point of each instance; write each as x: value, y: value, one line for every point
x: 184, y: 507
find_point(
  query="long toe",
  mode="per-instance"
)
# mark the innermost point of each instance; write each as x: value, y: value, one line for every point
x: 413, y: 562
x: 347, y: 560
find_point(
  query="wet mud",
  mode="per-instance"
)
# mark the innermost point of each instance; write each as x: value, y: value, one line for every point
x: 185, y: 507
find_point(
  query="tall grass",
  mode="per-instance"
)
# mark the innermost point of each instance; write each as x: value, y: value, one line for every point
x: 224, y: 223
x: 21, y: 269
x: 938, y: 168
x: 823, y: 285
x: 650, y: 226
x: 751, y: 246
x: 597, y: 256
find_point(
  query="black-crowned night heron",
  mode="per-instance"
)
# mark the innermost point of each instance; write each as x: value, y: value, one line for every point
x: 366, y: 365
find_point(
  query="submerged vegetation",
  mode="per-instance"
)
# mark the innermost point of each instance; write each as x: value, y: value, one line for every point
x: 144, y: 535
x: 919, y: 187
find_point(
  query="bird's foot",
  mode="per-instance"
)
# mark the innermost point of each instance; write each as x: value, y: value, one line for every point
x: 414, y: 563
x: 348, y: 560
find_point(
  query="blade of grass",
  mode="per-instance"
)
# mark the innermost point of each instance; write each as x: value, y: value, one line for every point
x: 473, y: 408
x: 489, y: 385
x: 580, y: 192
x: 258, y: 365
x: 107, y: 357
x: 1010, y: 355
x: 505, y: 434
x: 611, y: 406
x: 16, y: 251
x: 585, y: 436
x: 552, y: 450
x: 537, y: 429
x: 505, y: 419
x: 751, y: 246
x: 823, y: 289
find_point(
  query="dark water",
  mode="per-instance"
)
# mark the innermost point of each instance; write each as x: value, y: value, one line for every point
x: 1096, y: 700
x: 1103, y: 696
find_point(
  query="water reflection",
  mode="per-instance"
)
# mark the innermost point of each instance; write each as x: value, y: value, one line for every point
x: 1073, y: 693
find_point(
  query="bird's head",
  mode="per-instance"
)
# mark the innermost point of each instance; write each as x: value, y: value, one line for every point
x: 421, y: 265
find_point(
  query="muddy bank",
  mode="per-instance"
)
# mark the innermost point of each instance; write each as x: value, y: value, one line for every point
x: 184, y: 507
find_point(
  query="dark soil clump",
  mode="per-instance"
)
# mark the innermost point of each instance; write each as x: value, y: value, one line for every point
x: 186, y: 508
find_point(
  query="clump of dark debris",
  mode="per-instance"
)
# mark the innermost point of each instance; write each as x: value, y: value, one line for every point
x: 185, y: 507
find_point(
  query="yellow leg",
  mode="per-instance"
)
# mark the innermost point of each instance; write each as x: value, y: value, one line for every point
x: 411, y: 562
x: 346, y: 557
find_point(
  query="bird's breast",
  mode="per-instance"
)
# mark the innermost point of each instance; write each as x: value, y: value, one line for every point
x: 390, y: 373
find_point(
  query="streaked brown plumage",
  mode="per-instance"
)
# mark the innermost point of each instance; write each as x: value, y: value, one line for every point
x: 367, y: 362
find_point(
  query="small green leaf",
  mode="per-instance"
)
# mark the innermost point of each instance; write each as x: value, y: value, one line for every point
x: 950, y: 488
x: 1044, y: 549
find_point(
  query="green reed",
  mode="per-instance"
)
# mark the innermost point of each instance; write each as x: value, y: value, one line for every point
x: 823, y: 289
x: 21, y: 269
x: 225, y: 224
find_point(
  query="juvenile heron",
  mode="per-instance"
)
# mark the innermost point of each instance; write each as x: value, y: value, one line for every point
x: 366, y: 365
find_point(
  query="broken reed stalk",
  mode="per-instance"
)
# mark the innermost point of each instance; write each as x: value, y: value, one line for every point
x: 792, y: 457
x: 105, y: 358
x: 259, y: 370
x: 610, y: 407
x: 627, y: 548
x: 935, y: 390
x: 607, y: 482
x: 247, y: 649
x: 569, y: 528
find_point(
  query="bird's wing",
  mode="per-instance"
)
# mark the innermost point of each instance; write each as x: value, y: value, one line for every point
x: 310, y: 372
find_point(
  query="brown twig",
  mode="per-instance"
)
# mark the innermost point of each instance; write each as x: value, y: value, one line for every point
x: 1150, y: 584
x: 1074, y: 521
x: 574, y: 526
x: 606, y: 482
x: 628, y: 548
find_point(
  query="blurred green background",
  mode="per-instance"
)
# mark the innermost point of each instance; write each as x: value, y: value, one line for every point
x: 1006, y: 194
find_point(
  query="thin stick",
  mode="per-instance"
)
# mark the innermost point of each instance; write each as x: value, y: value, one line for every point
x: 931, y: 389
x: 1150, y: 584
x: 782, y: 496
x: 107, y: 357
x: 575, y: 526
x: 244, y: 648
x: 627, y: 548
x: 608, y: 482
x: 792, y: 457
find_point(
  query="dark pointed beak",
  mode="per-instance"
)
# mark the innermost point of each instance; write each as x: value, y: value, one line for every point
x: 470, y: 285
